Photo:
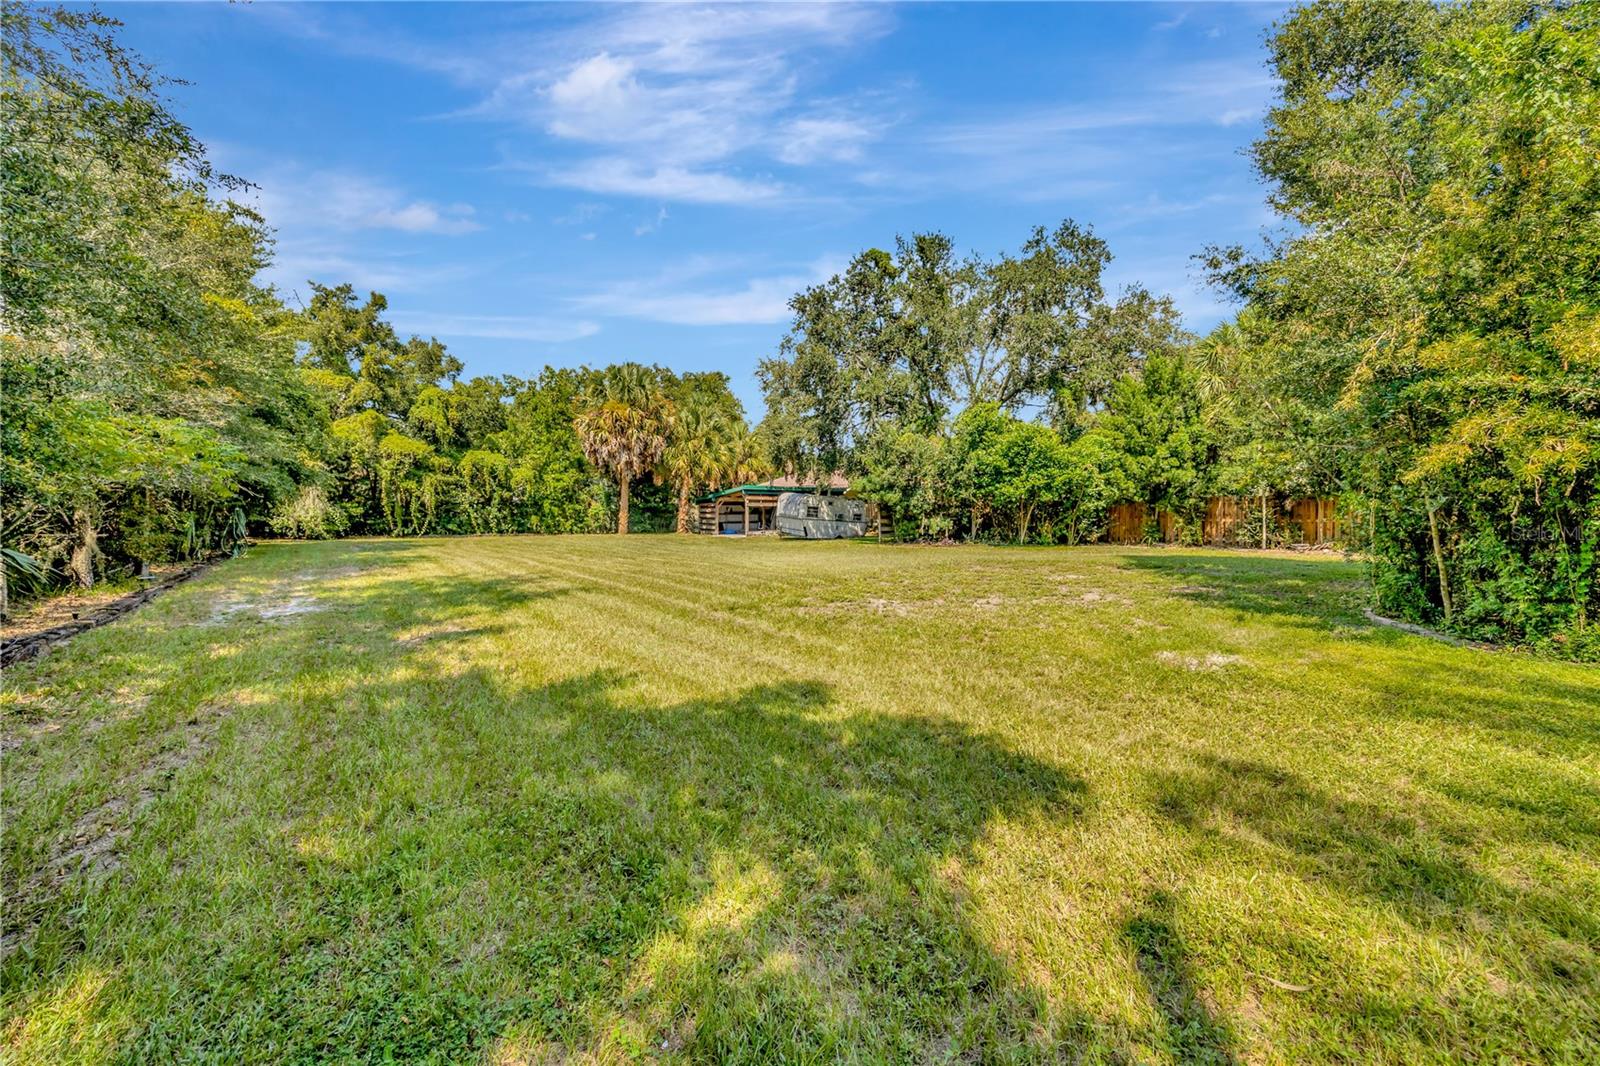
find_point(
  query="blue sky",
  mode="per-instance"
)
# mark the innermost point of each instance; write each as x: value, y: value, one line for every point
x: 572, y: 184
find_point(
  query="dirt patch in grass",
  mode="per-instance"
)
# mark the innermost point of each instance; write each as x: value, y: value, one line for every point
x: 987, y: 602
x: 418, y: 637
x: 1200, y: 663
x: 279, y: 600
x: 93, y: 845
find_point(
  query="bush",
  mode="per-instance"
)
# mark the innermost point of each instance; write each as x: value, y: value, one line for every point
x: 307, y: 515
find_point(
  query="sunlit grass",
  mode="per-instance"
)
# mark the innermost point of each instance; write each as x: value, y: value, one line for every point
x: 589, y: 799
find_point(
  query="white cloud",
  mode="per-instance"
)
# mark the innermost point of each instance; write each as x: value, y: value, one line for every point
x: 1087, y: 147
x: 809, y: 140
x: 298, y: 259
x: 506, y: 327
x: 343, y: 200
x: 679, y: 100
x: 653, y: 224
x: 616, y: 175
x: 420, y: 216
x: 682, y: 296
x: 580, y: 213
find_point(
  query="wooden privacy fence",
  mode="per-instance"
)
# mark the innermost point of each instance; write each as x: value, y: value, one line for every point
x: 1233, y: 520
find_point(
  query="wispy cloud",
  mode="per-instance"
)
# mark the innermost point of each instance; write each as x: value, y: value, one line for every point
x: 580, y: 213
x: 300, y: 259
x: 813, y: 139
x: 1089, y: 145
x: 677, y: 102
x: 618, y: 175
x: 687, y: 294
x: 1172, y: 23
x: 343, y: 200
x: 505, y: 327
x: 651, y: 225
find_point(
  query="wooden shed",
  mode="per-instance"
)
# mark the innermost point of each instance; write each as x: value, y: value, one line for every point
x: 748, y: 509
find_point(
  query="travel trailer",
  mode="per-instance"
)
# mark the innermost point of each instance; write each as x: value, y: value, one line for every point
x: 813, y: 517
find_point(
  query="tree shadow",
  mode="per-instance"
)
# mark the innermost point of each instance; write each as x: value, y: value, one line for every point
x: 1415, y: 858
x: 1316, y: 594
x: 1514, y: 697
x: 1514, y: 700
x: 1193, y: 1034
x: 456, y: 861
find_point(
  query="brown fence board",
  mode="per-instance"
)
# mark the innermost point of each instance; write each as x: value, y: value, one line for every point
x: 1234, y: 520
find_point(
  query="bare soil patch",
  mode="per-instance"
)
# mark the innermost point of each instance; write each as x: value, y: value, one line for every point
x: 1201, y: 663
x: 93, y: 845
x: 49, y: 622
x: 278, y: 600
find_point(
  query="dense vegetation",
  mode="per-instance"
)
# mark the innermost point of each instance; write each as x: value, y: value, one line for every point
x: 1422, y: 341
x: 159, y: 403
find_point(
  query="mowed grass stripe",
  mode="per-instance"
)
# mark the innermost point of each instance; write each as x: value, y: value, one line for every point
x: 611, y: 799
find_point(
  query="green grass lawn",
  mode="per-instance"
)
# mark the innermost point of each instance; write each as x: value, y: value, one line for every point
x: 593, y: 799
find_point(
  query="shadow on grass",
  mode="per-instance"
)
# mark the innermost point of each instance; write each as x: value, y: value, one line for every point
x: 445, y: 861
x: 1516, y: 698
x: 1510, y: 699
x: 1193, y: 1035
x: 1318, y: 594
x: 1416, y: 858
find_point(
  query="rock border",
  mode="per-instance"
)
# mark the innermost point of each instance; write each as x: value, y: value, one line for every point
x: 1423, y: 631
x: 22, y: 649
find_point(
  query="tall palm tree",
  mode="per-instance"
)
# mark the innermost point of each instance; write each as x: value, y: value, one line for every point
x: 700, y: 452
x: 623, y: 424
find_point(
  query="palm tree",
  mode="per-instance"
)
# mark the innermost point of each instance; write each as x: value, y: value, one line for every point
x: 747, y: 460
x: 623, y: 423
x: 700, y: 452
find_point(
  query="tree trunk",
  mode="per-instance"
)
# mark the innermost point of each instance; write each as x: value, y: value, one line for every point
x: 683, y: 506
x: 1024, y: 513
x: 622, y: 509
x: 1438, y: 561
x: 1372, y: 544
x: 1263, y: 522
x: 84, y: 549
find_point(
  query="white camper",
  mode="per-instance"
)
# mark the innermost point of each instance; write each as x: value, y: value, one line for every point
x: 801, y: 514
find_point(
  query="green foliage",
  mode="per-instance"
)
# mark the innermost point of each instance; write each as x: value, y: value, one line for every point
x: 906, y: 338
x: 148, y: 382
x: 907, y: 473
x: 308, y: 514
x: 624, y: 420
x: 1155, y: 427
x: 992, y: 472
x: 1432, y: 325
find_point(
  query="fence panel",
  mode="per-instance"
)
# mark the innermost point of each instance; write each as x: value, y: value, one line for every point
x: 1235, y: 520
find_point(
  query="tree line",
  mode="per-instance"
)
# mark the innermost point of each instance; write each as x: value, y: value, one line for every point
x: 1420, y: 339
x: 160, y: 404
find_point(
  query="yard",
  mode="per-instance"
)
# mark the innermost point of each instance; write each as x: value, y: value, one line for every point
x: 592, y: 799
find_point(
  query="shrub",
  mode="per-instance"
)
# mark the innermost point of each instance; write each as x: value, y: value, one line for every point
x: 307, y: 515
